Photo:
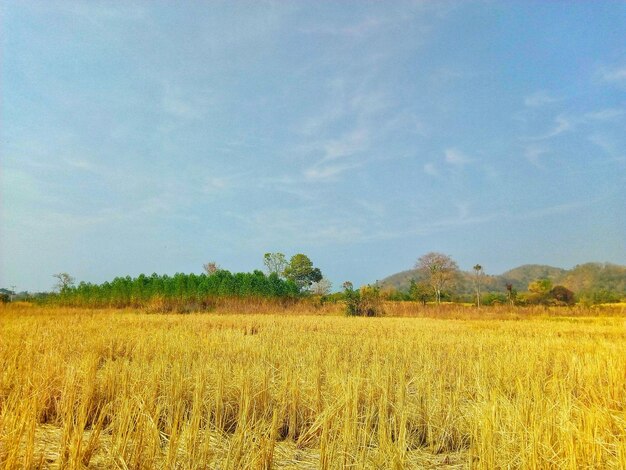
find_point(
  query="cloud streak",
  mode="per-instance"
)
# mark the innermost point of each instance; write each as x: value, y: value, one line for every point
x: 455, y: 157
x: 561, y: 125
x: 326, y: 173
x: 615, y: 74
x: 538, y: 99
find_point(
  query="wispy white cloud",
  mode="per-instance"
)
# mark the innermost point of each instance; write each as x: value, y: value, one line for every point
x: 534, y: 154
x: 411, y: 12
x: 347, y: 145
x: 287, y: 184
x: 610, y: 146
x: 455, y: 157
x: 613, y: 74
x: 539, y: 98
x: 561, y: 124
x: 463, y: 209
x: 431, y: 169
x: 83, y: 164
x: 94, y: 13
x: 491, y: 172
x: 105, y: 11
x: 180, y: 108
x: 216, y: 184
x: 326, y: 173
x: 179, y: 105
x: 448, y: 75
x: 345, y: 98
x: 358, y: 29
x: 465, y: 218
x: 329, y: 152
x: 606, y: 114
x: 550, y: 210
x: 603, y: 142
x: 578, y: 121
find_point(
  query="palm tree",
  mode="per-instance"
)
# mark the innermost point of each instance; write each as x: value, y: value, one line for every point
x: 478, y: 274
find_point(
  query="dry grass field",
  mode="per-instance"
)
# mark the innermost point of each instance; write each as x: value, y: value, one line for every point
x: 123, y: 389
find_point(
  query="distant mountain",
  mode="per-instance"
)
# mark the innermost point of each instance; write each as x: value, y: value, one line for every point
x: 588, y: 277
x: 595, y: 276
x: 400, y: 281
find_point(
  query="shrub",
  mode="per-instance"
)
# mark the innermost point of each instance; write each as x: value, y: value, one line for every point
x: 365, y: 302
x: 562, y: 295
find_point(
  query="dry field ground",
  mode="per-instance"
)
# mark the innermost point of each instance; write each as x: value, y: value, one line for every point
x: 124, y: 389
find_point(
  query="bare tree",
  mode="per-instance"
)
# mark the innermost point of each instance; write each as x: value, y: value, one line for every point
x: 321, y: 287
x: 211, y: 267
x: 439, y: 269
x: 64, y: 281
x: 478, y: 275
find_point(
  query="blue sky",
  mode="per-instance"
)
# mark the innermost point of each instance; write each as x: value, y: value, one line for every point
x: 154, y: 137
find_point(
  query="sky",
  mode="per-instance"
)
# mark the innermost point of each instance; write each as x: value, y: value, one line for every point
x: 141, y: 137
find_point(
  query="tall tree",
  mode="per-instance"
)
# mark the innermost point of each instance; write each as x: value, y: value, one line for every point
x: 439, y: 269
x: 64, y: 281
x: 478, y: 276
x: 275, y: 263
x: 300, y: 270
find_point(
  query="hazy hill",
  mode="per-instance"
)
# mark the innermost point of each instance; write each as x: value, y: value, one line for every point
x: 463, y: 284
x: 595, y: 276
x: 521, y: 276
x: 588, y: 277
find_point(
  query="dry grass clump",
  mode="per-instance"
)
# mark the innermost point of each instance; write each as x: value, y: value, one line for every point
x: 86, y: 389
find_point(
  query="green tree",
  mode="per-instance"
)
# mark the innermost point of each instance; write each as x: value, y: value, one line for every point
x: 420, y: 291
x: 371, y: 304
x: 300, y: 270
x: 439, y: 269
x: 539, y: 291
x: 275, y: 263
x: 540, y: 286
x: 64, y: 282
x: 365, y: 302
x: 352, y: 298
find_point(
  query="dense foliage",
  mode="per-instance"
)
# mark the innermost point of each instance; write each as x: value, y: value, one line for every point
x: 364, y: 302
x: 183, y: 288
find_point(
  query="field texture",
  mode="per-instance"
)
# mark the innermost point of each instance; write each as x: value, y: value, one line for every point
x: 120, y: 389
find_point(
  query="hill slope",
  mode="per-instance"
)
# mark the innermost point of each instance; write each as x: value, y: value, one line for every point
x: 584, y: 278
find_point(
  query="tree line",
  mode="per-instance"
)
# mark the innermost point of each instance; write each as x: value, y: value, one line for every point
x: 438, y: 274
x: 283, y: 279
x: 437, y: 279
